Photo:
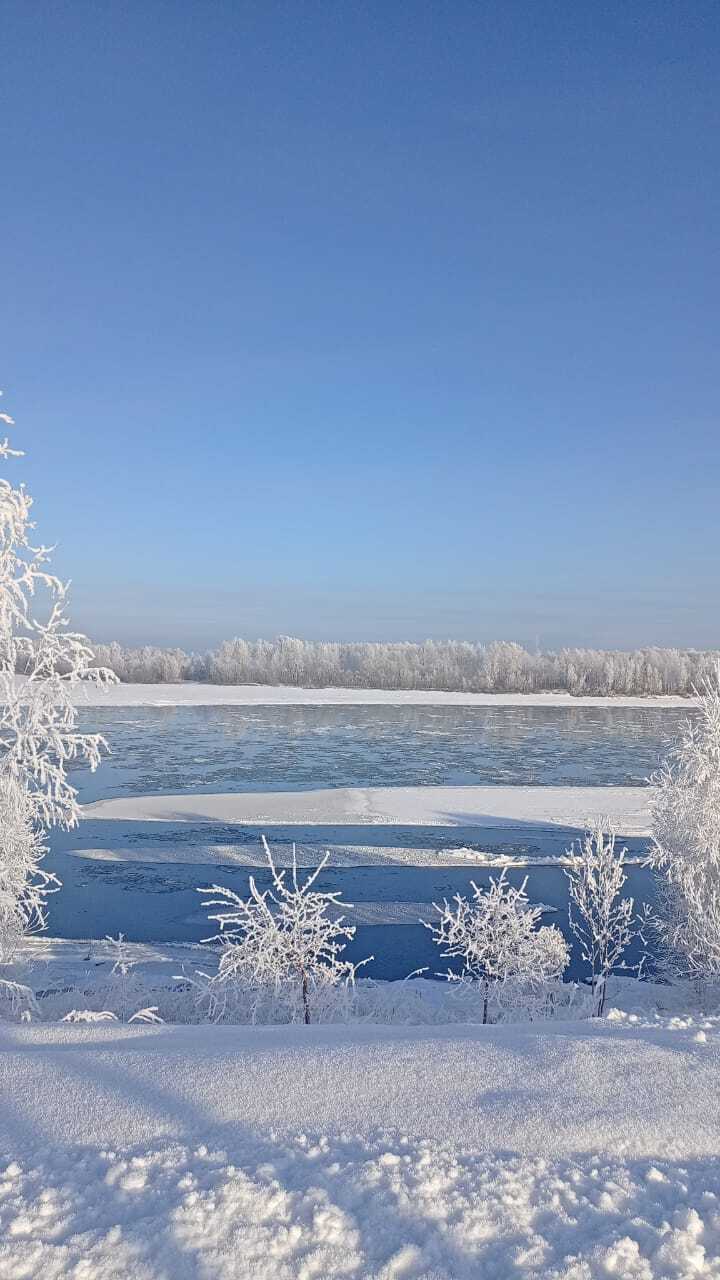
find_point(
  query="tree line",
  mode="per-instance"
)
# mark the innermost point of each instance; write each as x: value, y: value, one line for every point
x: 451, y: 665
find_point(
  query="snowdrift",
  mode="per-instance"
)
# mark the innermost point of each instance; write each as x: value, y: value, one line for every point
x: 573, y: 1151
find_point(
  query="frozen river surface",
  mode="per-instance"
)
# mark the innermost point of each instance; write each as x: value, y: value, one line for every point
x: 158, y: 750
x: 140, y: 889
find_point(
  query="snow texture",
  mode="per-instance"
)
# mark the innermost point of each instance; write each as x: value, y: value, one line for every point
x: 497, y: 807
x: 578, y: 1151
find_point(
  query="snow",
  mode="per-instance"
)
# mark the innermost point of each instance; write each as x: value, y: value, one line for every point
x: 314, y: 843
x: 190, y: 693
x: 574, y: 1151
x: 489, y: 807
x: 377, y: 912
x: 72, y: 960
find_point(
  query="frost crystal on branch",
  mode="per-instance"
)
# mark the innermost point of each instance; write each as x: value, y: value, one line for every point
x: 496, y: 937
x: 281, y: 942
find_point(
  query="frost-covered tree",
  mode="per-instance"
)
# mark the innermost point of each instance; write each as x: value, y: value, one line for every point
x: 495, y: 935
x: 24, y: 885
x: 38, y: 720
x: 685, y: 814
x: 604, y: 922
x: 434, y: 664
x: 284, y: 943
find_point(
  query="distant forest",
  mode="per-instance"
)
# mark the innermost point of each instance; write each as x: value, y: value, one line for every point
x: 453, y: 665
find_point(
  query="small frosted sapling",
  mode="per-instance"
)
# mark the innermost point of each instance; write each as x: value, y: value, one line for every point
x: 495, y: 934
x: 604, y: 922
x: 287, y: 939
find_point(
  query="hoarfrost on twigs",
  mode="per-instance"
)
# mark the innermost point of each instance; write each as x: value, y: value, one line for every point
x: 495, y: 935
x: 41, y: 663
x: 284, y: 944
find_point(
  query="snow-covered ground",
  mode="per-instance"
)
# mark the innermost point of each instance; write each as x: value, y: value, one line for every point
x: 211, y: 695
x: 183, y: 1153
x: 496, y: 807
x: 66, y: 974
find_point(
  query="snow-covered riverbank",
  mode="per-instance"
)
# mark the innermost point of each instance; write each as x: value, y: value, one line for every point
x: 209, y: 695
x: 574, y: 1151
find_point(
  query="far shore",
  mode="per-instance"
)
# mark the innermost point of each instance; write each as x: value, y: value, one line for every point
x: 256, y: 695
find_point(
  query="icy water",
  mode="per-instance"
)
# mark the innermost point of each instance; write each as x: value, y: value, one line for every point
x: 159, y: 902
x: 203, y: 749
x: 216, y: 749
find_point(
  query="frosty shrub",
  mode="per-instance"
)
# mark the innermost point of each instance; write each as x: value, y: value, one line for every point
x: 38, y: 721
x: 685, y: 853
x: 115, y: 985
x: 126, y: 989
x: 281, y: 949
x: 604, y: 922
x: 495, y: 935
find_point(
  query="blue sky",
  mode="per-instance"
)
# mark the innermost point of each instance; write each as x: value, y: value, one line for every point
x: 368, y: 320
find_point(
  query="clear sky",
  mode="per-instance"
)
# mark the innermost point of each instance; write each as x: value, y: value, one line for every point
x: 368, y: 320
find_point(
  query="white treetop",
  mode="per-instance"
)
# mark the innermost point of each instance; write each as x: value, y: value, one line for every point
x: 283, y: 936
x: 496, y: 936
x: 686, y: 841
x: 604, y: 922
